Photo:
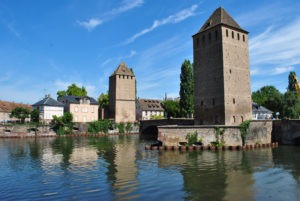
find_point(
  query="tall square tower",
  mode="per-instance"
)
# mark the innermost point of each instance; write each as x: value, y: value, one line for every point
x: 122, y: 95
x: 221, y: 70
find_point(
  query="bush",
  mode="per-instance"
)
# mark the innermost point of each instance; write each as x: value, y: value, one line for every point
x: 128, y: 127
x: 96, y: 127
x: 121, y: 127
x: 192, y: 138
x: 244, y: 130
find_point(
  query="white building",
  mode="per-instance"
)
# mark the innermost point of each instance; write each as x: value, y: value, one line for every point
x: 49, y: 107
x: 260, y: 112
x: 147, y: 109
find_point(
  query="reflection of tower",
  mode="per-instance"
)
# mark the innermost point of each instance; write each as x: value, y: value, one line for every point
x: 122, y: 94
x: 221, y: 69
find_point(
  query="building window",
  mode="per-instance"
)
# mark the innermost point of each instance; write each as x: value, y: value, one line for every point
x: 92, y: 109
x: 75, y: 118
x: 232, y: 34
x: 242, y: 118
x: 238, y: 36
x: 233, y: 119
x: 120, y: 76
x: 233, y: 100
x: 203, y: 39
x: 84, y: 119
x: 230, y: 71
x: 202, y: 102
x: 244, y: 38
x: 216, y: 34
x: 84, y: 109
x: 213, y: 101
x: 209, y: 36
x: 226, y: 32
x: 76, y: 109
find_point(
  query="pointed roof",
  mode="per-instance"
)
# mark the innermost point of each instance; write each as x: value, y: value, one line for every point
x: 123, y: 70
x: 220, y: 17
x: 48, y: 101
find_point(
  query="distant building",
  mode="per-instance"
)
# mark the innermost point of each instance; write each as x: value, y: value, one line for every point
x: 5, y: 110
x: 147, y: 108
x: 221, y: 70
x: 83, y: 108
x: 122, y: 95
x: 260, y: 112
x: 48, y: 107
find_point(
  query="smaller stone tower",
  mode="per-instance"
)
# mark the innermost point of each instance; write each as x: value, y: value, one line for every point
x: 122, y: 95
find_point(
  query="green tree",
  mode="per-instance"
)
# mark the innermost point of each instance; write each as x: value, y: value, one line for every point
x: 103, y: 100
x: 172, y: 108
x: 291, y: 105
x: 73, y: 90
x: 293, y: 83
x: 186, y: 89
x: 20, y: 113
x: 63, y: 124
x: 269, y: 97
x: 35, y: 116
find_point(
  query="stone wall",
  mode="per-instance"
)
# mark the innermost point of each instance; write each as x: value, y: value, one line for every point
x: 286, y: 131
x: 258, y: 132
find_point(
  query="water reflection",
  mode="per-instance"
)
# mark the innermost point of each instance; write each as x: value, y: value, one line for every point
x: 119, y: 168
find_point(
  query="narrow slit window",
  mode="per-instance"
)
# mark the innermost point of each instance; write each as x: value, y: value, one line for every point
x: 226, y: 32
x: 232, y: 34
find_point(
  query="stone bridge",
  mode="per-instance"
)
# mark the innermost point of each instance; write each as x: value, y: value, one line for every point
x: 286, y: 131
x: 150, y: 126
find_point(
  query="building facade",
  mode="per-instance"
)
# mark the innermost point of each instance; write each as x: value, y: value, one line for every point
x: 122, y: 95
x: 5, y: 110
x: 221, y: 70
x: 83, y: 108
x: 48, y: 107
x: 148, y: 108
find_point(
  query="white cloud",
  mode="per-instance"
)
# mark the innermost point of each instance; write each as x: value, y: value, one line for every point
x: 278, y: 45
x: 126, y: 5
x: 281, y: 70
x: 172, y: 19
x: 90, y: 24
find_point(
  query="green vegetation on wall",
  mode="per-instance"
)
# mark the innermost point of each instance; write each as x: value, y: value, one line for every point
x: 244, y: 126
x: 100, y: 126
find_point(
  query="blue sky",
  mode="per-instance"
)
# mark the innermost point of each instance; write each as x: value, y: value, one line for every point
x: 47, y: 45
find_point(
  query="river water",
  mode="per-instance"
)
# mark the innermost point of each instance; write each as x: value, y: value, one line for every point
x: 119, y: 168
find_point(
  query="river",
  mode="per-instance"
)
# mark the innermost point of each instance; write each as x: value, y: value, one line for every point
x: 119, y: 168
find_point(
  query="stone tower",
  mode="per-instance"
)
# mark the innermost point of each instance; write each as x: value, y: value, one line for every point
x: 122, y: 95
x: 221, y: 69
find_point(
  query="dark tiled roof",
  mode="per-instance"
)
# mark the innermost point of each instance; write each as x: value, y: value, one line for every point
x: 76, y: 99
x: 122, y: 69
x: 150, y: 105
x: 220, y: 16
x: 258, y: 109
x: 6, y: 106
x: 48, y: 101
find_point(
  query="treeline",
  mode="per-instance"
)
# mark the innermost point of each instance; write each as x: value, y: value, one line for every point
x: 286, y: 105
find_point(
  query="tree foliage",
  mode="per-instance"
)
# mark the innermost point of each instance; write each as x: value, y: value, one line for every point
x: 186, y: 89
x: 103, y: 100
x: 172, y: 108
x: 291, y: 105
x: 20, y: 113
x: 293, y: 83
x: 35, y: 116
x: 73, y: 90
x: 63, y: 124
x: 269, y: 97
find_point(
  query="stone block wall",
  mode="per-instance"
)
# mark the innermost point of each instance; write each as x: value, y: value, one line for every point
x: 258, y: 132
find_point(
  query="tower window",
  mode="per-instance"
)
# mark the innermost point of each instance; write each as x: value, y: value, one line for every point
x: 238, y: 36
x: 232, y: 34
x: 244, y: 38
x: 202, y: 102
x: 119, y: 76
x: 209, y: 36
x: 226, y: 32
x: 230, y: 71
x: 203, y: 39
x: 242, y: 118
x: 216, y: 34
x: 233, y: 100
x: 213, y: 101
x: 233, y: 119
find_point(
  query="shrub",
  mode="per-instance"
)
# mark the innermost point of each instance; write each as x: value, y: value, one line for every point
x: 244, y: 130
x: 121, y: 127
x: 192, y: 138
x: 96, y: 127
x: 128, y: 127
